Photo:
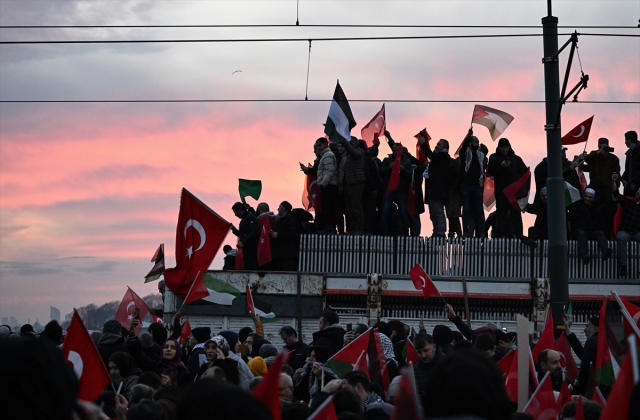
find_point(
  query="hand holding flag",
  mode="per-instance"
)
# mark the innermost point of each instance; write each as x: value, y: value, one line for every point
x: 419, y: 153
x: 495, y: 120
x: 124, y: 314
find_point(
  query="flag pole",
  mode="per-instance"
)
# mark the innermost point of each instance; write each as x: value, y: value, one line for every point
x: 194, y: 282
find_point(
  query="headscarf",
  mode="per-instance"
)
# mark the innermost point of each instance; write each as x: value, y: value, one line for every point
x: 124, y: 361
x: 231, y: 337
x: 268, y: 350
x: 222, y: 344
x: 173, y: 366
x: 258, y: 366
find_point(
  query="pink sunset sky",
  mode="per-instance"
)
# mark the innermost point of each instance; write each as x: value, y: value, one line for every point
x: 88, y: 191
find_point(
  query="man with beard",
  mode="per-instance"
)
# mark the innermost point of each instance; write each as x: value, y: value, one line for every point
x: 550, y: 362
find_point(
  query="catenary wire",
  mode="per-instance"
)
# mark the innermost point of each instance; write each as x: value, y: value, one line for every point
x: 305, y: 100
x: 308, y: 26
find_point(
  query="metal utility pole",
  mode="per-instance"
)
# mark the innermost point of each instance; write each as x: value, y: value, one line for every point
x: 558, y: 271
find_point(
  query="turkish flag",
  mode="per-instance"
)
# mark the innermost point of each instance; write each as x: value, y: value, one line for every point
x: 311, y: 198
x: 542, y: 405
x: 268, y: 390
x: 374, y: 129
x: 199, y: 234
x: 546, y: 338
x: 266, y: 223
x: 567, y: 361
x: 563, y: 397
x: 421, y: 281
x: 583, y: 180
x: 83, y: 356
x: 239, y: 265
x: 579, y: 134
x: 326, y: 411
x: 125, y: 311
x: 617, y: 408
x: 631, y: 313
x: 411, y: 197
x: 394, y: 179
x: 186, y: 332
x: 157, y: 319
x: 505, y: 363
x: 419, y: 153
x: 579, y: 410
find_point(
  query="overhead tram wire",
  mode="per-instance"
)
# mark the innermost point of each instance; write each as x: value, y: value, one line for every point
x: 310, y: 26
x: 376, y: 38
x: 306, y: 100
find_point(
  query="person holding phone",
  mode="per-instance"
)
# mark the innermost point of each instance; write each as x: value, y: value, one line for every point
x: 602, y: 165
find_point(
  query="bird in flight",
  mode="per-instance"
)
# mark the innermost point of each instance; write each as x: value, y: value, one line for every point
x: 240, y: 71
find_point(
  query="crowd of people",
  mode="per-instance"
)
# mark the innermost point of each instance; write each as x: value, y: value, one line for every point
x: 354, y: 197
x: 155, y: 376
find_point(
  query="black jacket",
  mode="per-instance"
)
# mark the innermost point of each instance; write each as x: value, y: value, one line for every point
x: 194, y: 361
x: 589, y: 218
x: 110, y: 343
x: 505, y: 176
x: 632, y: 168
x: 386, y: 168
x: 421, y: 372
x: 541, y: 174
x: 439, y: 170
x: 587, y: 358
x: 539, y: 208
x: 229, y: 366
x: 289, y: 229
x: 299, y: 356
x: 248, y: 232
x: 332, y: 337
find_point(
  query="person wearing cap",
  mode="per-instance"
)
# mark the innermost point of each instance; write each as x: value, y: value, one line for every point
x: 631, y: 175
x: 506, y: 168
x: 602, y: 165
x: 199, y: 336
x: 588, y: 223
x: 586, y: 354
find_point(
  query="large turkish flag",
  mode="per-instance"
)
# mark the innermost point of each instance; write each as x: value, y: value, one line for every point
x: 199, y: 235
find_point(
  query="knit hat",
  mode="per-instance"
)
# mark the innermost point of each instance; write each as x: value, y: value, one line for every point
x: 258, y: 366
x: 479, y: 331
x: 231, y: 337
x: 112, y: 327
x: 201, y: 334
x: 442, y: 335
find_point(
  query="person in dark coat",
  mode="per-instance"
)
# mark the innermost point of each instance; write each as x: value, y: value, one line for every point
x: 438, y: 170
x: 354, y: 184
x: 602, y: 165
x: 472, y: 169
x: 569, y: 173
x: 428, y: 356
x: 229, y: 258
x: 588, y: 223
x: 629, y: 228
x: 294, y: 344
x: 331, y: 333
x: 285, y: 239
x: 586, y: 354
x: 506, y: 168
x: 249, y: 234
x: 215, y: 357
x: 197, y: 358
x: 370, y: 194
x: 111, y: 340
x: 540, y: 228
x: 397, y: 196
x: 631, y: 175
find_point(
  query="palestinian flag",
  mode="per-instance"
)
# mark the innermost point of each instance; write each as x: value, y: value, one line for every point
x: 340, y: 120
x: 258, y: 307
x: 409, y: 352
x: 518, y: 192
x: 219, y: 291
x: 571, y: 194
x: 361, y: 364
x: 377, y: 361
x: 495, y: 120
x: 346, y: 359
x: 158, y: 268
x: 609, y: 352
x: 620, y: 397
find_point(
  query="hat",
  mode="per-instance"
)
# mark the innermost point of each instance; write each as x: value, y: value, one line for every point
x: 590, y: 191
x: 258, y: 366
x: 268, y: 350
x: 112, y: 327
x: 231, y: 337
x: 201, y: 334
x: 442, y: 335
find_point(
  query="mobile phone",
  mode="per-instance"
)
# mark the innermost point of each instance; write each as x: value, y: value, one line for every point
x: 136, y: 313
x: 349, y: 326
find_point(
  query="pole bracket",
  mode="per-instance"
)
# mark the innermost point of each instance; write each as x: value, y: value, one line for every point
x: 551, y: 127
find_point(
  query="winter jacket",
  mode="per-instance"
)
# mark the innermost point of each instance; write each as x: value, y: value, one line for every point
x: 632, y: 167
x: 331, y: 337
x: 354, y: 166
x: 248, y: 232
x: 588, y: 218
x: 229, y: 366
x: 230, y: 260
x: 168, y: 397
x: 196, y: 360
x: 299, y: 356
x: 601, y: 167
x: 327, y: 169
x: 439, y: 167
x: 505, y: 175
x: 421, y: 372
x: 541, y: 173
x: 587, y: 357
x: 244, y: 373
x: 471, y: 165
x: 110, y: 343
x: 539, y: 208
x: 287, y: 244
x: 405, y: 171
x: 630, y: 214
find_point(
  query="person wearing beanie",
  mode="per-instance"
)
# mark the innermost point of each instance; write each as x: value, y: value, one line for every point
x: 27, y: 331
x: 258, y: 366
x: 443, y: 337
x: 53, y: 332
x: 506, y: 168
x: 587, y: 355
x: 111, y: 340
x: 268, y: 352
x: 200, y: 335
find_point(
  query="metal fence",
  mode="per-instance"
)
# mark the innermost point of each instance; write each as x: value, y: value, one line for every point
x: 470, y: 257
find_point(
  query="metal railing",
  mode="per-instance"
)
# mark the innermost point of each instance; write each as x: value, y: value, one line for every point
x: 456, y: 257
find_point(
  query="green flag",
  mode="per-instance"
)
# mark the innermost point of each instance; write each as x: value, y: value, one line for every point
x: 219, y: 291
x: 249, y: 188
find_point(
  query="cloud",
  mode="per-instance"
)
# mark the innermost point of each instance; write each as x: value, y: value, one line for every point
x: 101, y: 267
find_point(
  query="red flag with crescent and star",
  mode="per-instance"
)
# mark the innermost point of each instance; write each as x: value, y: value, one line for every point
x: 311, y: 199
x: 83, y: 356
x: 266, y: 222
x: 374, y: 129
x: 199, y: 235
x: 419, y: 153
x: 579, y: 134
x: 394, y: 179
x: 125, y: 311
x: 421, y: 281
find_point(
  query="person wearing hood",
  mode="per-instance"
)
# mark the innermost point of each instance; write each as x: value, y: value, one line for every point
x: 354, y: 183
x: 443, y: 338
x: 506, y: 168
x: 308, y: 380
x: 231, y: 348
x: 215, y: 350
x: 229, y: 258
x: 199, y: 336
x: 472, y: 170
x: 398, y: 338
x: 111, y: 340
x: 438, y: 172
x: 331, y: 333
x: 121, y: 363
x: 258, y: 366
x: 269, y: 353
x: 327, y: 178
x: 170, y: 368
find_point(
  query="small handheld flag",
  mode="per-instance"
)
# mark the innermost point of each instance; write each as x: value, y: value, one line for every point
x: 495, y: 120
x: 579, y: 134
x: 374, y: 128
x: 249, y: 188
x: 421, y: 281
x: 158, y: 268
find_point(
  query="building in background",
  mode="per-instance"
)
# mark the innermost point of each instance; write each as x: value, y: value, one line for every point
x: 13, y: 322
x: 5, y: 320
x: 55, y: 314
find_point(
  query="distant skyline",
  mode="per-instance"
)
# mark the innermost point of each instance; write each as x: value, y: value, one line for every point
x: 89, y: 191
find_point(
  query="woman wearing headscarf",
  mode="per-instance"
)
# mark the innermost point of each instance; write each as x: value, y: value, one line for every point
x: 257, y: 344
x: 121, y: 363
x: 269, y: 353
x: 308, y: 380
x: 214, y: 350
x: 170, y: 368
x: 244, y: 373
x: 258, y: 366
